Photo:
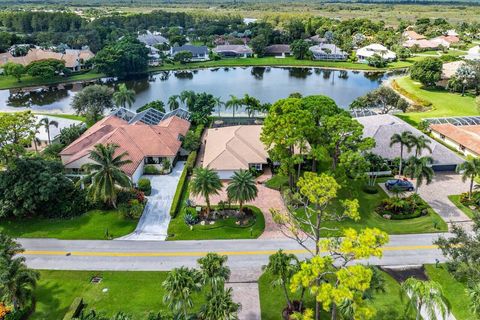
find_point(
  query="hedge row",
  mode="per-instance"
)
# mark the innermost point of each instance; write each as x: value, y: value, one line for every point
x: 417, y: 100
x: 192, y: 158
x: 178, y: 193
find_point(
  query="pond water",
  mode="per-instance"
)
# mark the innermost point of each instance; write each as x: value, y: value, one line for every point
x: 268, y: 84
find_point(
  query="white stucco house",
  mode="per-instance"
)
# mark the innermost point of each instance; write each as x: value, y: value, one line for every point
x: 375, y: 49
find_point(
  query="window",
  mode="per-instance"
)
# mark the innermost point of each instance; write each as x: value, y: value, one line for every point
x: 462, y: 147
x: 256, y: 166
x: 442, y: 136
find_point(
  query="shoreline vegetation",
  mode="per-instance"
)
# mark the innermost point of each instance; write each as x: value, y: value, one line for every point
x: 8, y: 82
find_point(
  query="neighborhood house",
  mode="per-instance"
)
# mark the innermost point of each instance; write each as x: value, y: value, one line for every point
x: 199, y: 53
x: 144, y: 139
x: 328, y: 51
x: 375, y: 49
x: 233, y: 50
x: 57, y: 124
x: 278, y: 50
x: 462, y: 136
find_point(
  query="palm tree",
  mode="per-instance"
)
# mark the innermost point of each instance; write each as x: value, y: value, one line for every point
x: 213, y: 270
x: 242, y: 188
x: 173, y: 102
x: 282, y: 266
x: 420, y: 169
x: 404, y: 139
x: 47, y: 123
x: 469, y: 169
x: 180, y: 284
x: 465, y: 74
x: 124, y: 96
x: 234, y: 103
x: 105, y: 175
x: 426, y: 296
x: 17, y: 282
x: 420, y: 143
x: 188, y: 98
x: 205, y: 182
x: 251, y: 104
x: 9, y: 247
x: 218, y: 103
x: 220, y: 306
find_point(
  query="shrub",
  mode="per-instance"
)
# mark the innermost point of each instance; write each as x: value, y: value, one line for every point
x: 191, y: 217
x: 145, y: 186
x: 151, y: 169
x: 74, y: 309
x: 178, y: 193
x: 370, y: 189
x: 403, y: 208
x: 192, y: 158
x: 131, y: 210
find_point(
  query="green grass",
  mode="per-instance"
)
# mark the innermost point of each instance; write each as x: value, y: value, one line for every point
x: 370, y: 219
x: 64, y: 116
x: 8, y: 82
x: 272, y: 299
x: 444, y: 103
x: 453, y: 290
x: 90, y: 226
x: 222, y: 229
x: 456, y: 201
x: 135, y: 293
x: 277, y: 182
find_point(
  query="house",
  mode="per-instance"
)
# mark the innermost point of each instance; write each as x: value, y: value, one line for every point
x: 473, y: 54
x: 151, y: 42
x: 448, y: 71
x: 452, y: 33
x: 148, y: 137
x: 375, y: 49
x: 328, y: 51
x: 317, y: 39
x: 236, y: 51
x: 41, y: 135
x: 278, y: 50
x: 74, y: 59
x: 382, y: 127
x: 199, y: 53
x: 412, y: 35
x: 465, y: 138
x: 230, y: 149
x: 422, y: 44
x: 441, y: 41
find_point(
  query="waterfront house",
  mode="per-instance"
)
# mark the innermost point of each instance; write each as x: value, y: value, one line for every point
x: 328, y: 51
x: 233, y: 51
x: 375, y: 49
x: 278, y: 50
x: 199, y: 53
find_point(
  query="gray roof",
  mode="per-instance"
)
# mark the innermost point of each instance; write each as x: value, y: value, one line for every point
x: 278, y: 48
x: 195, y: 50
x: 382, y: 127
x: 150, y: 116
x: 151, y: 39
x: 237, y: 48
x: 327, y: 48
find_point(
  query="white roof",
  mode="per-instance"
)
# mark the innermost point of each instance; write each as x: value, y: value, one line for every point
x: 54, y: 131
x: 376, y: 48
x: 473, y: 53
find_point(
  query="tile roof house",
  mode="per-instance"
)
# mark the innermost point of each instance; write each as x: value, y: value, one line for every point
x: 328, y: 51
x: 382, y: 127
x: 375, y: 49
x: 199, y: 53
x: 233, y: 50
x: 278, y: 50
x: 412, y: 35
x: 151, y: 39
x: 422, y: 44
x: 74, y: 59
x: 463, y: 138
x: 229, y: 149
x: 144, y: 143
x: 473, y: 54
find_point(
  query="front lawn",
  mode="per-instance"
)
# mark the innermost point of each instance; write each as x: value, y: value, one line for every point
x: 453, y: 290
x: 277, y: 182
x: 443, y: 103
x: 135, y: 293
x: 456, y: 201
x: 93, y: 225
x: 7, y: 82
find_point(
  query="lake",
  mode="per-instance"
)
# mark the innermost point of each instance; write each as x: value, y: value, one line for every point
x: 268, y: 84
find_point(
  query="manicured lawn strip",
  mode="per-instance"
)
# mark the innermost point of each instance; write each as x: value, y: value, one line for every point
x: 444, y: 103
x: 8, y: 82
x: 456, y: 201
x: 272, y: 299
x: 64, y: 116
x: 277, y: 182
x: 222, y: 229
x: 135, y: 293
x: 93, y: 225
x: 288, y: 61
x: 453, y: 290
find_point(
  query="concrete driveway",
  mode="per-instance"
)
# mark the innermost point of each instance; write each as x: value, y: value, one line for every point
x: 153, y: 224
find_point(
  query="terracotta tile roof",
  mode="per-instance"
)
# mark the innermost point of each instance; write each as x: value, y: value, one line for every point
x: 467, y: 136
x: 71, y: 57
x: 413, y: 35
x: 138, y: 139
x: 234, y: 148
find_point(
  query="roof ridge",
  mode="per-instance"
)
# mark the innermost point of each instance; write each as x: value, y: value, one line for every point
x: 248, y: 144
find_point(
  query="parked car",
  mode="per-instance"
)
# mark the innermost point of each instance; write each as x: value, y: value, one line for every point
x: 399, y: 184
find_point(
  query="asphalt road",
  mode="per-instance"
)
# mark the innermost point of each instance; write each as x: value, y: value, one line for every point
x: 248, y: 255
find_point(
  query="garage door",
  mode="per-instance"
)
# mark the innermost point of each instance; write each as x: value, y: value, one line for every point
x: 225, y: 175
x: 444, y: 167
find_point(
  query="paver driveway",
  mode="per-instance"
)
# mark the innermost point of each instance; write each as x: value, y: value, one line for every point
x: 153, y: 224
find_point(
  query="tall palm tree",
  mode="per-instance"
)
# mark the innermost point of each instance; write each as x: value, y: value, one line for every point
x: 251, y: 104
x: 282, y: 266
x: 17, y: 282
x: 9, y: 247
x: 104, y: 175
x: 220, y: 306
x: 218, y: 103
x: 234, y: 103
x: 188, y: 98
x: 46, y: 122
x: 180, y: 285
x: 213, y: 270
x: 173, y: 102
x: 124, y: 96
x: 470, y: 169
x: 427, y: 296
x: 205, y: 182
x: 242, y: 188
x: 465, y: 74
x: 420, y: 143
x: 404, y: 139
x: 420, y: 169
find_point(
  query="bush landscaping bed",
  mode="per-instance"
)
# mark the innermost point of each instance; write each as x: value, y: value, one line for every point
x: 469, y: 207
x: 397, y: 208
